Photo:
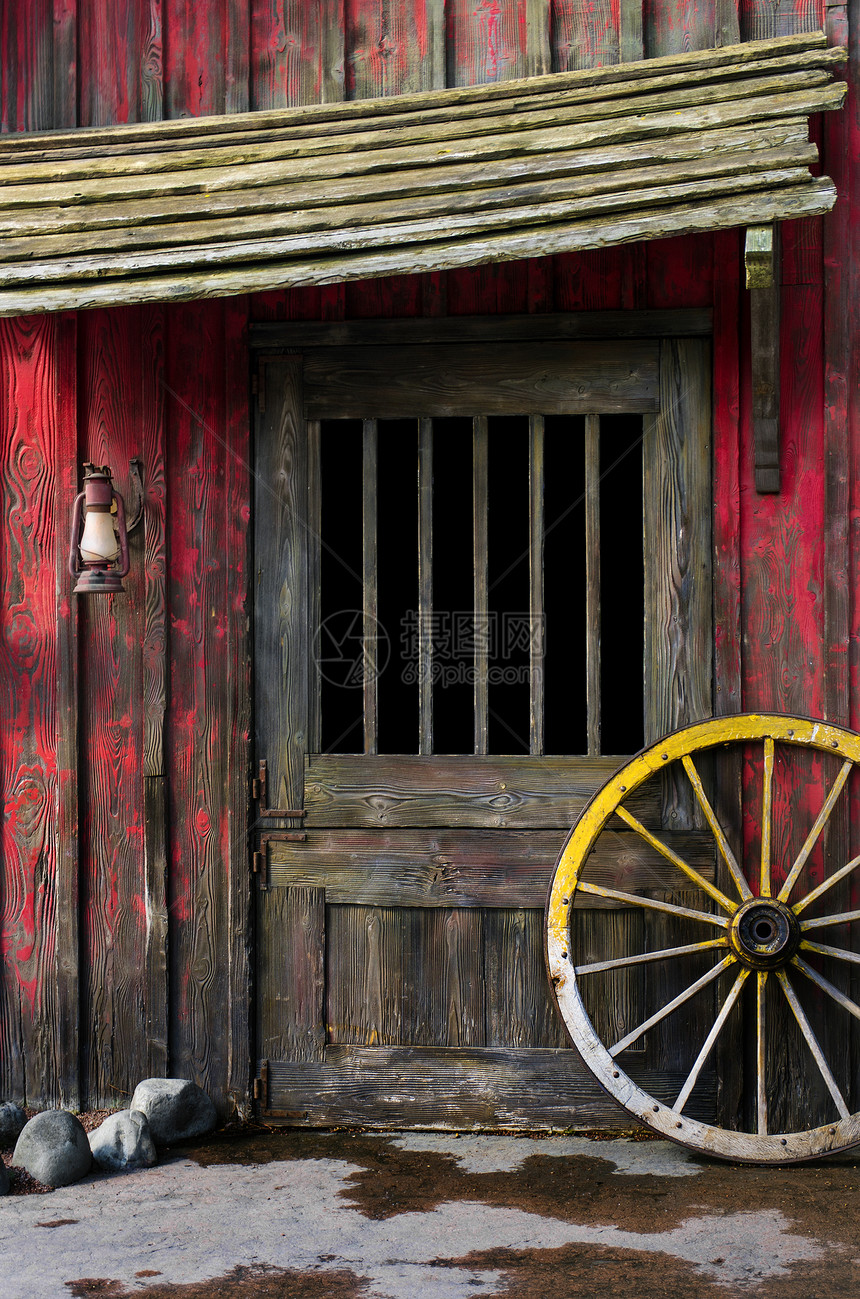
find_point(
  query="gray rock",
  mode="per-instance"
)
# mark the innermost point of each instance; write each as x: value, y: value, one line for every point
x: 54, y: 1149
x: 5, y: 1180
x: 12, y: 1120
x: 176, y: 1109
x: 123, y: 1141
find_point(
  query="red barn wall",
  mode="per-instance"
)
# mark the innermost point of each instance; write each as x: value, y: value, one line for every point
x: 124, y: 723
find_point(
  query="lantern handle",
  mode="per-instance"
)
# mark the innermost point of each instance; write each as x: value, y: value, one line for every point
x: 77, y: 512
x: 135, y: 469
x: 122, y: 530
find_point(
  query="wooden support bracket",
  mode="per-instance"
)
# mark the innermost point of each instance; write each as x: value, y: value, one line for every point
x: 762, y: 262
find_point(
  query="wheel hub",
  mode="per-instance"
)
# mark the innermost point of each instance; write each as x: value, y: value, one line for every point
x: 764, y: 934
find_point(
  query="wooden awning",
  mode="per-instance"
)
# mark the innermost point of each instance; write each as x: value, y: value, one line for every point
x: 208, y: 207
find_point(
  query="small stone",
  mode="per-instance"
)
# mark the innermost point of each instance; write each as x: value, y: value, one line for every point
x: 176, y: 1109
x: 54, y: 1149
x: 123, y: 1141
x: 12, y: 1120
x: 5, y: 1180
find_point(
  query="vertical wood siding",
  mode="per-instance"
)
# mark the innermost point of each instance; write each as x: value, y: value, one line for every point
x: 144, y: 841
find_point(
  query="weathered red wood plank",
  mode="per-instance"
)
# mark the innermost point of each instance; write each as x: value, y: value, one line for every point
x: 200, y: 692
x: 680, y: 272
x: 673, y: 28
x: 588, y: 281
x: 852, y: 128
x: 237, y: 57
x: 151, y: 62
x: 26, y: 66
x: 783, y: 610
x: 238, y: 657
x: 726, y: 470
x: 839, y: 308
x: 393, y: 48
x: 68, y: 947
x: 584, y: 35
x: 195, y: 62
x: 65, y: 61
x: 297, y: 52
x: 112, y: 844
x: 110, y: 66
x: 495, y: 40
x: 154, y: 662
x: 28, y: 442
x: 762, y: 19
x: 802, y: 251
x: 401, y: 295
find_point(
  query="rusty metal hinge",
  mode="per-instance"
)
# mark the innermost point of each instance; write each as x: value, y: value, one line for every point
x: 260, y: 793
x: 260, y: 858
x: 261, y: 1085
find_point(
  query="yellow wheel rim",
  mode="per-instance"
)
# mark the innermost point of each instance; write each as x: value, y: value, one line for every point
x: 760, y: 933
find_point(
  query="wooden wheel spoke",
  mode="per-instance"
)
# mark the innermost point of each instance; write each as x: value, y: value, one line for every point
x: 813, y: 1044
x: 814, y: 834
x: 838, y: 953
x: 634, y: 900
x: 826, y: 986
x: 699, y: 880
x: 620, y: 962
x: 716, y: 829
x: 671, y: 1006
x: 766, y: 817
x: 825, y: 885
x: 761, y: 1053
x: 708, y: 1044
x: 822, y: 922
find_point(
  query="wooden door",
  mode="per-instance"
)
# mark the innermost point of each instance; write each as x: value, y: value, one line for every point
x: 400, y: 972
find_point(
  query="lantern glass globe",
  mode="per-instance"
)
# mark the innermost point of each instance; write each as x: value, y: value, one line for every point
x: 98, y: 541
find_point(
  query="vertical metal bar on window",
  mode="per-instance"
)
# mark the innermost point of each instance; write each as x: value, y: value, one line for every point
x: 370, y: 611
x: 314, y: 567
x: 481, y: 581
x: 425, y: 585
x: 536, y: 610
x: 592, y: 579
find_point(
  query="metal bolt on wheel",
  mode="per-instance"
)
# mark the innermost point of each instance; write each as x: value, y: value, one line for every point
x: 762, y: 922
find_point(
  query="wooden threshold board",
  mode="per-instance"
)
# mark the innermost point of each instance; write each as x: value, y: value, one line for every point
x: 457, y: 1088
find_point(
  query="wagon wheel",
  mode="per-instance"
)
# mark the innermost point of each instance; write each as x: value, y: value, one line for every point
x: 768, y: 939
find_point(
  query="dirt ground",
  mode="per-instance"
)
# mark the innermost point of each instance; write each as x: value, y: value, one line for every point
x: 260, y: 1214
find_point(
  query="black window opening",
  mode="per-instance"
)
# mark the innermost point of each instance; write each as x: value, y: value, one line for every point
x: 481, y: 585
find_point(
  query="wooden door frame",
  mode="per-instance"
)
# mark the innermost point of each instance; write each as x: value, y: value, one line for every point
x: 282, y: 463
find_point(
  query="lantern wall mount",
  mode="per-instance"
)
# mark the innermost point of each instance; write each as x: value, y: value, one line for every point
x: 98, y: 549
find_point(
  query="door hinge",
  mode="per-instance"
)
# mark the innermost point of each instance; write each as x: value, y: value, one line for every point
x: 261, y: 1085
x: 260, y: 857
x: 260, y: 794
